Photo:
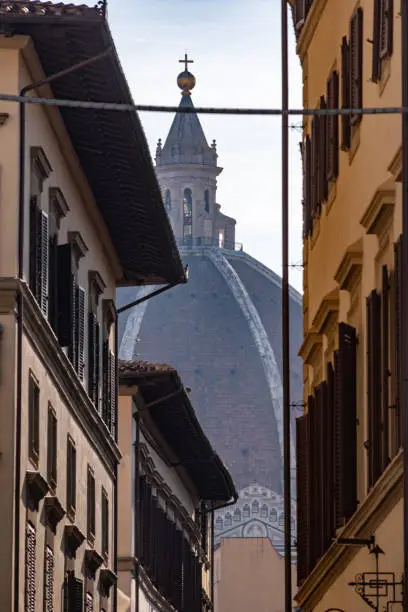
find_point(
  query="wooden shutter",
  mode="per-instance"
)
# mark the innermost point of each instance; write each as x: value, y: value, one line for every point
x: 81, y: 299
x: 52, y: 449
x: 74, y: 593
x: 113, y: 394
x: 315, y: 167
x: 356, y: 63
x: 90, y: 505
x: 330, y: 442
x: 105, y: 524
x: 345, y: 93
x: 386, y: 28
x: 307, y: 188
x: 332, y: 150
x: 33, y: 421
x: 385, y: 368
x: 43, y: 267
x: 398, y: 337
x: 65, y: 295
x: 49, y: 580
x: 89, y: 603
x: 376, y: 60
x: 30, y: 590
x: 303, y: 492
x: 53, y: 282
x: 106, y: 385
x: 73, y: 348
x: 300, y: 14
x: 71, y: 476
x: 322, y: 154
x: 374, y: 386
x: 34, y: 239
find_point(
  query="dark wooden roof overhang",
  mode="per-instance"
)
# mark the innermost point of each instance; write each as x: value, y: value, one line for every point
x: 111, y: 145
x: 169, y: 408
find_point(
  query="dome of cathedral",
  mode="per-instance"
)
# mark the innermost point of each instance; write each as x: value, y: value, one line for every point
x: 186, y: 81
x: 222, y: 329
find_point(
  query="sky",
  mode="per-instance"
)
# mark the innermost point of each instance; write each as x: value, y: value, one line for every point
x: 235, y: 45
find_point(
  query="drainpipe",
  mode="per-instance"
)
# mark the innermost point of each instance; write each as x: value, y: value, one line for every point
x: 115, y: 481
x: 404, y: 289
x: 19, y: 314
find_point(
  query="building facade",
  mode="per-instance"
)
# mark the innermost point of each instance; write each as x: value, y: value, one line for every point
x: 170, y: 482
x: 249, y: 574
x: 68, y: 237
x: 349, y: 457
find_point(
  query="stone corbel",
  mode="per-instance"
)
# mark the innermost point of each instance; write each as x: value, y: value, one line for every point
x: 350, y: 266
x: 54, y: 512
x: 37, y: 488
x: 73, y: 538
x: 379, y: 212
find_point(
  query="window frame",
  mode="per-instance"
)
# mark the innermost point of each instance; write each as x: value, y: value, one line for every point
x: 33, y: 420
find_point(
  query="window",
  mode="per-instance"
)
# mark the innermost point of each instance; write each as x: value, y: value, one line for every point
x: 246, y: 511
x: 345, y: 93
x: 71, y: 477
x: 227, y: 520
x: 90, y: 505
x: 71, y: 302
x: 58, y: 209
x: 74, y: 593
x: 30, y: 568
x: 255, y: 507
x: 167, y: 200
x: 109, y: 371
x: 264, y: 511
x: 49, y: 580
x: 96, y: 288
x: 207, y: 201
x: 187, y: 216
x: 105, y: 524
x: 273, y: 517
x: 356, y: 63
x: 383, y: 35
x: 89, y: 603
x: 52, y: 446
x: 33, y: 420
x: 332, y: 150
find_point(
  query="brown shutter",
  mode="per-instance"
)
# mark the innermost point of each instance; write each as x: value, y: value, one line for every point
x: 356, y: 63
x: 52, y: 449
x: 398, y: 336
x: 65, y: 294
x: 113, y: 394
x: 105, y: 524
x: 303, y: 491
x: 30, y: 589
x: 71, y: 476
x: 81, y: 299
x: 299, y: 14
x: 374, y: 385
x: 307, y: 185
x: 345, y: 93
x: 386, y: 29
x: 49, y: 580
x: 34, y: 239
x: 330, y: 440
x: 74, y: 593
x: 43, y: 271
x: 53, y: 282
x: 90, y: 505
x: 315, y: 167
x: 385, y: 368
x: 332, y: 150
x: 323, y: 185
x: 106, y: 385
x: 33, y: 420
x: 89, y: 603
x: 376, y: 62
x: 345, y: 425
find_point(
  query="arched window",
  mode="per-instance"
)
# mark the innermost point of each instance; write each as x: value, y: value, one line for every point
x: 264, y: 511
x: 281, y: 520
x: 207, y: 201
x: 255, y: 506
x: 227, y: 520
x: 237, y: 514
x: 273, y: 515
x: 188, y: 217
x: 167, y: 200
x: 219, y: 522
x: 246, y: 511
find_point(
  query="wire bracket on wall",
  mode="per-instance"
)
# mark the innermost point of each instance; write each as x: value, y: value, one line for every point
x: 381, y: 591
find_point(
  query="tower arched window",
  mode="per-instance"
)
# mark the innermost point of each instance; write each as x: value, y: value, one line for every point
x: 255, y: 507
x: 237, y: 514
x: 187, y: 216
x: 228, y: 520
x: 264, y: 511
x: 246, y: 511
x: 207, y: 201
x: 167, y: 199
x: 273, y: 515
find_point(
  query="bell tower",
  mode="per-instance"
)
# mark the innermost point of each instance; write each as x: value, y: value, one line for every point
x: 187, y: 171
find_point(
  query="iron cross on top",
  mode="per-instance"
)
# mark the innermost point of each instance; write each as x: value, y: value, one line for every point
x: 186, y: 62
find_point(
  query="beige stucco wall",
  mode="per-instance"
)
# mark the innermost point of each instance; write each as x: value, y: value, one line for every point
x: 249, y: 575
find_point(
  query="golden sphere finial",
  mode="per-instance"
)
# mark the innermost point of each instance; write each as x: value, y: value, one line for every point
x: 185, y: 80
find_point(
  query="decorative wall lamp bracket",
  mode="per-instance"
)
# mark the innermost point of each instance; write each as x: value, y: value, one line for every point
x: 358, y: 542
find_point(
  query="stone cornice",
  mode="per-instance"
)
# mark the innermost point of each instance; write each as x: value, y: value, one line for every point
x: 350, y: 265
x: 328, y: 308
x: 380, y: 210
x: 395, y: 167
x: 311, y: 341
x: 373, y: 509
x: 63, y: 375
x: 309, y: 27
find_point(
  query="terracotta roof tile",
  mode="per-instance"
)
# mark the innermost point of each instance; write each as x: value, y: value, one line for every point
x: 35, y: 7
x: 141, y: 368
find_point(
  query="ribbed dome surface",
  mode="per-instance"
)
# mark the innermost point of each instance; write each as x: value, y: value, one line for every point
x: 222, y: 331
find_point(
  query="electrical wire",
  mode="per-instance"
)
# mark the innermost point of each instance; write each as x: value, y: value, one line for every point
x: 114, y: 106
